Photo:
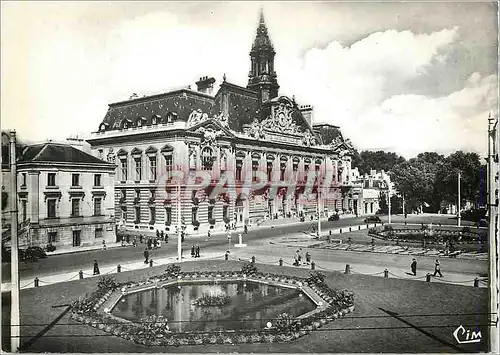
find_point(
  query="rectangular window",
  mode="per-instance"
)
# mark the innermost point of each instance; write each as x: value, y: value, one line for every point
x: 194, y: 214
x: 152, y: 215
x: 51, y: 179
x: 24, y: 180
x: 255, y: 167
x: 75, y: 179
x: 124, y: 169
x: 98, y: 233
x: 97, y: 180
x: 152, y: 168
x: 77, y: 238
x: 169, y: 165
x: 75, y: 207
x: 24, y: 204
x: 124, y: 214
x: 100, y: 154
x: 168, y: 215
x: 137, y: 214
x: 52, y: 237
x: 51, y: 208
x: 269, y: 171
x: 239, y: 165
x: 225, y: 211
x: 138, y: 169
x: 210, y: 212
x: 282, y: 171
x: 97, y: 206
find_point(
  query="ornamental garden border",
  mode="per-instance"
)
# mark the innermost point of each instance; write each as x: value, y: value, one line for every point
x: 438, y: 236
x: 95, y: 309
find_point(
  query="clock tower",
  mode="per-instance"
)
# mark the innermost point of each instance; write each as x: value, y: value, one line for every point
x: 262, y: 77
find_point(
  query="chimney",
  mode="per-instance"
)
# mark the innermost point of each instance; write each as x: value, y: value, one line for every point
x: 307, y: 112
x: 206, y: 85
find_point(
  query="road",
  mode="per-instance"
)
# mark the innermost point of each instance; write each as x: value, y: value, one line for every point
x: 76, y: 261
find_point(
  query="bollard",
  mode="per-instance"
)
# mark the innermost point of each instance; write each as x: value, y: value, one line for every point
x: 253, y: 259
x: 340, y: 230
x: 349, y: 229
x: 81, y: 274
x: 347, y: 269
x: 405, y: 223
x: 428, y: 278
x: 359, y: 228
x: 313, y: 265
x: 151, y: 263
x: 476, y: 282
x: 119, y: 268
x: 226, y: 256
x: 281, y: 261
x: 37, y: 282
x: 386, y: 273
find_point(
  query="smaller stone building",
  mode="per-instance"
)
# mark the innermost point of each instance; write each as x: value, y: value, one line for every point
x: 66, y: 196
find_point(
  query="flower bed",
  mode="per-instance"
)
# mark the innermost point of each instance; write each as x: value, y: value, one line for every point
x: 437, y: 236
x: 154, y: 330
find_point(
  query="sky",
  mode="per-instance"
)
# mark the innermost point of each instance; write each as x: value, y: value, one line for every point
x: 401, y: 77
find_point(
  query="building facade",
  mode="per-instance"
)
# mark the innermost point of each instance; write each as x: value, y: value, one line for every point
x: 259, y: 155
x: 66, y: 197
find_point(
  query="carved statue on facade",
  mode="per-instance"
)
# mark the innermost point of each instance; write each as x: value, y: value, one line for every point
x: 195, y: 117
x: 308, y: 140
x: 256, y: 130
x: 111, y: 157
x: 192, y: 156
x: 281, y: 120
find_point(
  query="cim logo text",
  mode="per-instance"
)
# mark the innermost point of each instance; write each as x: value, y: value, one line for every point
x: 466, y: 336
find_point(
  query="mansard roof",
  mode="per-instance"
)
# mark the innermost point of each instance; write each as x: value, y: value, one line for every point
x: 58, y: 153
x: 327, y: 133
x: 176, y: 105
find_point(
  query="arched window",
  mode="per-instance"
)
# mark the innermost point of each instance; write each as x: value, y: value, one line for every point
x: 207, y: 158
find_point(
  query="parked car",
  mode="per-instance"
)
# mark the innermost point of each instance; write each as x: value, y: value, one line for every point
x: 28, y: 254
x: 373, y: 219
x: 38, y: 252
x: 333, y: 217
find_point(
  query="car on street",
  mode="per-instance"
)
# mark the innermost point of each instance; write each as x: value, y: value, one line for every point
x: 333, y: 217
x: 373, y: 219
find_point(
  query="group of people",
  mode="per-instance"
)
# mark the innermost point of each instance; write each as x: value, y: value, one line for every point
x: 298, y: 259
x: 195, y: 251
x: 437, y: 268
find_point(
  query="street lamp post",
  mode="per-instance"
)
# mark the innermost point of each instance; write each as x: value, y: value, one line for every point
x: 389, y: 201
x: 229, y: 242
x: 459, y: 216
x: 15, y: 328
x: 179, y: 226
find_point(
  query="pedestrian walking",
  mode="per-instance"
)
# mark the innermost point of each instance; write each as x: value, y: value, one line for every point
x: 96, y: 268
x: 437, y: 269
x: 104, y: 247
x: 146, y: 255
x: 246, y: 229
x: 308, y: 258
x: 134, y: 242
x: 296, y: 259
x: 140, y: 238
x: 157, y: 234
x: 197, y: 251
x: 155, y: 243
x: 128, y: 238
x: 149, y: 243
x: 208, y: 235
x: 414, y: 267
x: 162, y: 235
x: 193, y: 251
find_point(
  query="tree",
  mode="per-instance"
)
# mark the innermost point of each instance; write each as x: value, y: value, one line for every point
x: 416, y: 178
x: 379, y: 160
x: 469, y: 166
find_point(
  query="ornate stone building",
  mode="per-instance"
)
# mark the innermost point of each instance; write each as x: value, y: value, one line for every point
x: 251, y: 134
x: 65, y: 197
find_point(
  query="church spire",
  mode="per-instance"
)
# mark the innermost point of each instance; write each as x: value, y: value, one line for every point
x: 262, y: 77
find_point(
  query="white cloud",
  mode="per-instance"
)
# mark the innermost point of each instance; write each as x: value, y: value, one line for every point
x: 354, y: 87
